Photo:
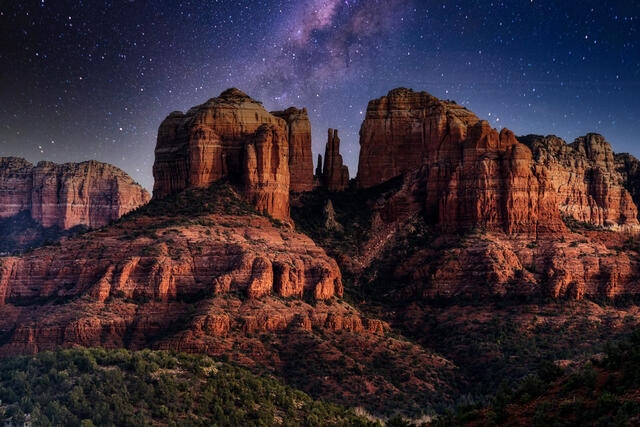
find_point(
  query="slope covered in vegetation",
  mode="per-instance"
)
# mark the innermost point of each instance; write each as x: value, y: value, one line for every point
x: 84, y: 387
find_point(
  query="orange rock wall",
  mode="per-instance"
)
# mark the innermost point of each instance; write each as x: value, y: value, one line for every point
x: 470, y: 175
x: 66, y: 195
x: 226, y: 138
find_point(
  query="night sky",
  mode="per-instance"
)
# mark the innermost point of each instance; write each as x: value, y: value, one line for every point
x: 86, y: 80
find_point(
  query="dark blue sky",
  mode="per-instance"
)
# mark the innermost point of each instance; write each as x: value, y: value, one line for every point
x: 93, y: 79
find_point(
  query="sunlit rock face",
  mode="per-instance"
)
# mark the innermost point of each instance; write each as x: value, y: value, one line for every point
x: 589, y: 185
x: 234, y: 137
x: 300, y: 155
x: 466, y: 174
x: 66, y: 195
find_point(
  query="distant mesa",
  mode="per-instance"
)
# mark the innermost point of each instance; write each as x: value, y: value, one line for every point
x: 61, y: 196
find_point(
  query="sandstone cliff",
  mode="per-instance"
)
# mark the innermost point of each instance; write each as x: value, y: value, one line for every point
x: 300, y: 156
x: 465, y: 174
x: 525, y: 208
x: 234, y: 137
x: 589, y: 186
x: 629, y: 168
x: 91, y: 193
x: 197, y: 272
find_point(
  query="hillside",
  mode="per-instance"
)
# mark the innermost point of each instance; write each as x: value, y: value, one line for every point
x: 85, y: 387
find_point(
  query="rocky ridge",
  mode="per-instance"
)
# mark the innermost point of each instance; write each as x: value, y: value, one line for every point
x: 201, y: 271
x: 523, y: 207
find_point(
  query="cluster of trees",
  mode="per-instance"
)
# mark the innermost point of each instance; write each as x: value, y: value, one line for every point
x: 601, y: 393
x: 84, y: 387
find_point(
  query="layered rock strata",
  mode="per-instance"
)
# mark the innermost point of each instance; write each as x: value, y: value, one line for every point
x: 590, y: 188
x: 234, y: 137
x: 300, y: 156
x: 118, y: 269
x: 66, y: 195
x: 465, y: 174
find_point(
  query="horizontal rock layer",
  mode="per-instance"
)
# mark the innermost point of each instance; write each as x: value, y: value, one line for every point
x: 66, y: 195
x: 464, y: 174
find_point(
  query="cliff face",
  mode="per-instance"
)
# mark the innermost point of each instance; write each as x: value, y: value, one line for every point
x: 66, y: 195
x: 226, y: 137
x: 300, y: 156
x: 523, y: 206
x: 465, y: 174
x: 584, y: 173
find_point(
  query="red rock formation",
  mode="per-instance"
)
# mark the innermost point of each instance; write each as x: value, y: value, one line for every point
x: 335, y: 175
x: 66, y: 195
x: 213, y: 141
x: 300, y: 156
x: 470, y: 175
x: 507, y: 198
x: 266, y: 172
x: 406, y: 129
x: 589, y: 186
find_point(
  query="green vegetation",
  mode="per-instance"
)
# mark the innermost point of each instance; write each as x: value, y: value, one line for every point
x: 85, y: 387
x: 218, y: 198
x: 603, y: 392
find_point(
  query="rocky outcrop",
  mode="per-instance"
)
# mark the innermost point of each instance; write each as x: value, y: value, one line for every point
x: 405, y: 130
x: 465, y: 174
x: 335, y: 175
x: 234, y: 137
x: 66, y: 195
x: 629, y: 168
x: 112, y: 269
x: 300, y: 156
x: 584, y: 173
x: 523, y: 205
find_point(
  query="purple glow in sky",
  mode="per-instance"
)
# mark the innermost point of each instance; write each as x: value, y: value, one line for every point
x: 93, y: 80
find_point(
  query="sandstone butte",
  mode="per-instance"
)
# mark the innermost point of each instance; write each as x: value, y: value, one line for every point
x: 66, y: 195
x: 512, y: 199
x: 471, y: 175
x: 266, y: 155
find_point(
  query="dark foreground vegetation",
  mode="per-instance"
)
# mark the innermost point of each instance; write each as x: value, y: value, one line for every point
x: 85, y: 387
x: 603, y: 392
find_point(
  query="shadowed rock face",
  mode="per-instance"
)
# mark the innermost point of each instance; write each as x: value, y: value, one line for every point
x: 465, y: 174
x: 335, y: 175
x: 66, y: 195
x: 234, y: 137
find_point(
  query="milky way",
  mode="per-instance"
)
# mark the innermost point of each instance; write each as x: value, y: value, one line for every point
x: 83, y: 80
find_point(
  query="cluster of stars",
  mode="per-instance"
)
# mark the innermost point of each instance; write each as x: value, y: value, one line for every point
x: 84, y: 80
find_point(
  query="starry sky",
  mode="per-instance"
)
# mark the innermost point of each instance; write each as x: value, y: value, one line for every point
x: 93, y: 79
